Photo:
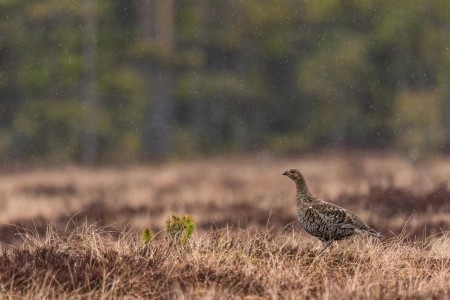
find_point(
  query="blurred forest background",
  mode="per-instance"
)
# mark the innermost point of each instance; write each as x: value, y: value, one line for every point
x: 96, y: 81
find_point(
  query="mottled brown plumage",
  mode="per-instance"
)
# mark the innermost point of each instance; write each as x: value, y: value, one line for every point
x: 326, y: 221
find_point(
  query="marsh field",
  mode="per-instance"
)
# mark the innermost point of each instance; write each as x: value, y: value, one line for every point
x: 75, y: 232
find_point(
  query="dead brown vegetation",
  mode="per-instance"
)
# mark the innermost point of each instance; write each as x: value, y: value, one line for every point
x: 222, y: 264
x: 245, y: 245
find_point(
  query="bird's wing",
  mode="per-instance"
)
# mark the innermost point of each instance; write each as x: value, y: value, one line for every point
x: 335, y: 215
x: 360, y: 224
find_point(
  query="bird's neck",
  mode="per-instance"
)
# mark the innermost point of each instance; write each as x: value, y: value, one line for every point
x: 303, y: 194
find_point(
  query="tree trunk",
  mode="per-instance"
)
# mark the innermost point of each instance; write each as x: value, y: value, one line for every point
x: 157, y: 29
x: 88, y: 86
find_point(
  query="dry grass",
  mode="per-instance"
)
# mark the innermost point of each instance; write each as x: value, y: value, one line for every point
x: 223, y: 264
x: 245, y: 244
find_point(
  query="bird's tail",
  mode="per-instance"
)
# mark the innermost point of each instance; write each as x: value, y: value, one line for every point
x: 374, y: 233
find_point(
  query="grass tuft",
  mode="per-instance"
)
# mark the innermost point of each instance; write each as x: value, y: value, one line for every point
x: 180, y: 228
x: 147, y: 235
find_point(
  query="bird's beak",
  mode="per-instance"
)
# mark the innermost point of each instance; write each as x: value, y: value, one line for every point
x: 285, y: 173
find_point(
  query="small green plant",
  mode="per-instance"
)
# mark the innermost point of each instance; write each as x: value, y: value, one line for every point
x: 147, y: 235
x: 180, y: 227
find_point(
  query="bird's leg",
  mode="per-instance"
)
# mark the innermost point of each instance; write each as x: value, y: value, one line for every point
x: 325, y: 246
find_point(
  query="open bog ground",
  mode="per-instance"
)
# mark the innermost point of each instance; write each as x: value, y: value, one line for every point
x: 75, y: 232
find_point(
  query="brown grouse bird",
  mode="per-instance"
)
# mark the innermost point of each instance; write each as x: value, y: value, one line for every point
x: 325, y: 221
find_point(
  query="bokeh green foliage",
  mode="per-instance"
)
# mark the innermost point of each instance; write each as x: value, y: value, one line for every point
x: 416, y: 120
x: 285, y: 75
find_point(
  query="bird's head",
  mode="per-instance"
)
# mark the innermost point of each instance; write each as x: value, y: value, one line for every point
x: 295, y: 175
x: 299, y: 180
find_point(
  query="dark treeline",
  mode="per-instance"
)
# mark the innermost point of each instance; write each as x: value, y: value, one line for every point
x: 93, y: 80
